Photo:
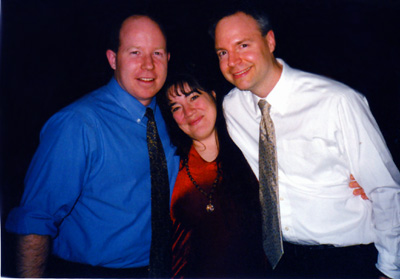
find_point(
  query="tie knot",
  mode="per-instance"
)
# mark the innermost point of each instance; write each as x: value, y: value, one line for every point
x: 264, y: 106
x: 149, y: 114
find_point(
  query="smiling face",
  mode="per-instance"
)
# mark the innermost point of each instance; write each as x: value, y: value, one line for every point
x: 141, y: 61
x: 245, y: 56
x: 194, y: 112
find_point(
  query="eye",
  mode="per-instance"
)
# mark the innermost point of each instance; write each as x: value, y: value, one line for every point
x: 221, y: 53
x: 194, y: 96
x: 174, y: 109
x: 159, y: 53
x: 135, y: 52
x: 244, y: 45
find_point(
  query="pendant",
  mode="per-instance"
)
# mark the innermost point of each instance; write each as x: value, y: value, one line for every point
x: 210, y: 208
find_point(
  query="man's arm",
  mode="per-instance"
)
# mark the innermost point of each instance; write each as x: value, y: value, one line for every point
x: 358, y: 190
x: 372, y: 166
x: 32, y: 254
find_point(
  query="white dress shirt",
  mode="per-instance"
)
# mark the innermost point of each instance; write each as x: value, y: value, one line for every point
x: 325, y: 132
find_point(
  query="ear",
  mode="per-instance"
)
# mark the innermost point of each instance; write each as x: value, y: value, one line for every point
x: 112, y: 58
x: 169, y: 55
x: 270, y: 40
x: 214, y: 94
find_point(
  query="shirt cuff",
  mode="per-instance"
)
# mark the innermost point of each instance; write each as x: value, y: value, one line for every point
x: 24, y: 222
x: 388, y: 265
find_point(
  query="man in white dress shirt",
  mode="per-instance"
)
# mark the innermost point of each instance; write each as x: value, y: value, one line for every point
x: 324, y: 131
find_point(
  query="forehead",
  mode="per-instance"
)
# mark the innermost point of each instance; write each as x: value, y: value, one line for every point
x: 236, y: 26
x: 138, y: 28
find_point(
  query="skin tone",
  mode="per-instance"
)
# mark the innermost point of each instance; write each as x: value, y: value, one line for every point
x: 141, y: 62
x: 140, y: 67
x: 32, y: 254
x: 196, y: 113
x: 247, y: 61
x: 358, y: 190
x: 246, y: 57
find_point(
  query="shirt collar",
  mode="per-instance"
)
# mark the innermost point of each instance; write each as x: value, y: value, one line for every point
x: 279, y: 95
x: 135, y: 108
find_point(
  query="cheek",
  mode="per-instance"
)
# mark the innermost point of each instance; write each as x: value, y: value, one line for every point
x: 213, y: 114
x: 162, y: 64
x: 223, y: 66
x: 178, y: 118
x: 249, y: 56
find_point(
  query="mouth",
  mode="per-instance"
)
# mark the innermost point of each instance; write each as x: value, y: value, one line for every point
x: 241, y: 73
x: 196, y: 121
x: 146, y: 79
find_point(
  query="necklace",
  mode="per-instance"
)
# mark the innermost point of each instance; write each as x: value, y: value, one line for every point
x: 210, y: 207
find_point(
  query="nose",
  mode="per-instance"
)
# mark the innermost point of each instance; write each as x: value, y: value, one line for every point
x: 148, y: 62
x: 233, y: 59
x: 188, y: 111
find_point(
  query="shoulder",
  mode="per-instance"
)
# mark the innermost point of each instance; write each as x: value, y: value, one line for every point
x: 81, y: 113
x: 323, y: 88
x: 237, y: 99
x: 232, y: 95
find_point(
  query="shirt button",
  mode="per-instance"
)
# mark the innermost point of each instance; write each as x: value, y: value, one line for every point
x: 138, y: 120
x: 281, y: 199
x: 286, y: 228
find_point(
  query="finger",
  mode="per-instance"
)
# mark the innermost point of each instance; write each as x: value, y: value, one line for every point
x: 357, y: 192
x: 351, y: 177
x: 364, y: 196
x: 354, y: 184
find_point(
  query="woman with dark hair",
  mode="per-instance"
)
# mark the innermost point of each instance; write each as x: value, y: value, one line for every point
x: 215, y: 206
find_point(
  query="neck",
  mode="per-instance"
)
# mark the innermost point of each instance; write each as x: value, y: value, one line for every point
x: 208, y: 148
x: 273, y: 77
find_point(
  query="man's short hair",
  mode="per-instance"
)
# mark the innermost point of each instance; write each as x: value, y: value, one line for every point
x: 257, y: 13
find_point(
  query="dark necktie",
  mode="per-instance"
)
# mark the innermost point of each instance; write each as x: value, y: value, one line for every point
x: 269, y: 192
x: 160, y: 251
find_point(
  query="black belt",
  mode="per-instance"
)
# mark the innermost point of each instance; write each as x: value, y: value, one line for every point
x: 300, y: 247
x: 289, y: 245
x: 59, y: 268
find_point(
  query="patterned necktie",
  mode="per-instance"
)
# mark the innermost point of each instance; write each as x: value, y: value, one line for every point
x: 269, y: 193
x: 160, y: 250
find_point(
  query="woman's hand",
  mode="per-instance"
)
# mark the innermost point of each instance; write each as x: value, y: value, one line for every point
x: 358, y: 190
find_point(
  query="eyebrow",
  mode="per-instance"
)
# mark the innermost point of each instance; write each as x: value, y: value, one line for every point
x: 236, y: 43
x: 171, y: 105
x: 140, y: 48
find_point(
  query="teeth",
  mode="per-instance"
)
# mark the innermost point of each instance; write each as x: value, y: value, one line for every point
x: 242, y: 72
x: 147, y: 79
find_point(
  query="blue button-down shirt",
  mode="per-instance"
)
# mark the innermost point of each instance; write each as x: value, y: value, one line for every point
x: 88, y: 185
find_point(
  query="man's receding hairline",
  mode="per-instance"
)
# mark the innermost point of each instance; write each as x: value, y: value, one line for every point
x: 240, y: 12
x: 137, y: 17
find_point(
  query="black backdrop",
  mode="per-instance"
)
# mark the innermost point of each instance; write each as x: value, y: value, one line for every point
x: 53, y: 52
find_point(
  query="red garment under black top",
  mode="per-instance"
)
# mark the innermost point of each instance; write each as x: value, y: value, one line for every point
x: 209, y: 244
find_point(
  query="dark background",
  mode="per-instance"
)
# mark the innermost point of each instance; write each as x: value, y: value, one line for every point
x: 53, y: 52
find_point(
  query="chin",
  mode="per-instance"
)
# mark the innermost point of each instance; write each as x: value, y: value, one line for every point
x: 242, y: 87
x: 241, y: 84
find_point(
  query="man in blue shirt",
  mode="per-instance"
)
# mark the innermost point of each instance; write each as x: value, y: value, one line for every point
x: 88, y: 188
